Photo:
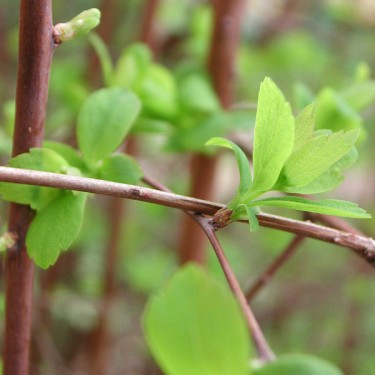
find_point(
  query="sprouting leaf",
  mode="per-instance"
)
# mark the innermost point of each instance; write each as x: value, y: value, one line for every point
x: 298, y: 364
x: 315, y: 157
x: 55, y: 227
x: 242, y: 161
x: 39, y: 159
x: 329, y: 180
x: 325, y: 206
x: 120, y: 168
x: 251, y: 215
x: 195, y: 327
x: 104, y: 120
x: 273, y: 138
x: 305, y: 122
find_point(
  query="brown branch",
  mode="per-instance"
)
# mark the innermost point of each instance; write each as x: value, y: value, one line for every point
x: 363, y: 246
x: 34, y: 61
x: 265, y: 277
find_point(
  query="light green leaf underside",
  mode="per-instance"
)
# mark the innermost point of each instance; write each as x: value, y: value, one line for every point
x: 195, y: 327
x: 120, y: 168
x: 320, y: 153
x: 105, y: 118
x: 55, y: 227
x: 298, y: 364
x: 274, y: 136
x: 325, y: 206
x: 305, y: 122
x: 242, y: 161
x: 39, y: 159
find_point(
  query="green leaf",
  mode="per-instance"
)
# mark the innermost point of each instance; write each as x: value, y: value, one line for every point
x: 67, y: 152
x: 104, y: 120
x: 360, y: 95
x: 273, y: 138
x: 242, y: 161
x: 329, y: 180
x: 104, y: 58
x: 298, y: 364
x: 39, y: 159
x: 305, y: 123
x: 315, y: 157
x: 251, y: 215
x: 195, y: 327
x: 197, y: 95
x: 325, y: 206
x: 120, y: 168
x: 55, y: 227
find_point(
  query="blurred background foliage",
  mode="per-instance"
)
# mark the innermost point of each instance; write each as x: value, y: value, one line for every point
x: 319, y: 302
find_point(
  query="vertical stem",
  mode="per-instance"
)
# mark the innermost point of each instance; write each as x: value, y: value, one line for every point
x: 148, y: 30
x: 221, y: 65
x: 34, y: 61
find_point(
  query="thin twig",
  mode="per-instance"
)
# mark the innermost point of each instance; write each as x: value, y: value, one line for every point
x: 361, y: 245
x: 264, y: 351
x: 265, y: 277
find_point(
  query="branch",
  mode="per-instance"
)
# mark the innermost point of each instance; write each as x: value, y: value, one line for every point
x: 363, y: 246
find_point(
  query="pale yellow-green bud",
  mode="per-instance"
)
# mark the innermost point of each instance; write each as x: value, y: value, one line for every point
x: 77, y: 26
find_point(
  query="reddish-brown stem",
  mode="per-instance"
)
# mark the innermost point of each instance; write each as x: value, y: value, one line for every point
x: 266, y: 276
x: 264, y: 351
x: 147, y: 34
x: 363, y: 246
x: 34, y: 61
x: 220, y: 64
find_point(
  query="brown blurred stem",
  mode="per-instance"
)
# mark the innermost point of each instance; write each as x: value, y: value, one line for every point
x: 280, y: 261
x: 220, y: 64
x: 34, y: 61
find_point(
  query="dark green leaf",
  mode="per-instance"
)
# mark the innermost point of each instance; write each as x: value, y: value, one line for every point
x: 120, y: 168
x: 104, y: 120
x: 298, y: 364
x: 55, y: 227
x: 273, y: 138
x: 325, y: 206
x: 195, y: 327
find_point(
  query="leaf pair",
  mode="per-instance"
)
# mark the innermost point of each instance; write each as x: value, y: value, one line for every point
x: 289, y: 156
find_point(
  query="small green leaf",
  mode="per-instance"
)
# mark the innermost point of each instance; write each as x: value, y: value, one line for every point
x: 104, y: 120
x: 195, y: 327
x: 55, y: 227
x: 305, y: 123
x: 197, y: 95
x: 325, y: 206
x: 120, y: 168
x: 360, y: 95
x: 251, y: 215
x: 39, y: 159
x: 317, y: 156
x: 329, y: 180
x: 67, y: 152
x: 298, y: 364
x: 242, y: 161
x: 104, y: 58
x: 273, y: 138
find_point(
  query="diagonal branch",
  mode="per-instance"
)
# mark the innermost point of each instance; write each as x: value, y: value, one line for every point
x: 361, y: 245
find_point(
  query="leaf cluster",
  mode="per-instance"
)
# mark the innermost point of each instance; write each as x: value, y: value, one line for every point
x: 290, y: 156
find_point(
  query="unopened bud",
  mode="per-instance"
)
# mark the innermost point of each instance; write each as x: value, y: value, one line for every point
x: 77, y: 26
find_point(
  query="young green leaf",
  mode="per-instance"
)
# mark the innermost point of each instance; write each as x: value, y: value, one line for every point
x: 120, y: 168
x: 329, y: 180
x: 39, y: 159
x: 55, y: 227
x: 298, y: 364
x: 251, y: 215
x: 325, y: 206
x: 305, y: 122
x: 195, y: 327
x: 242, y: 161
x: 104, y: 120
x: 273, y: 137
x: 67, y: 152
x: 310, y: 161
